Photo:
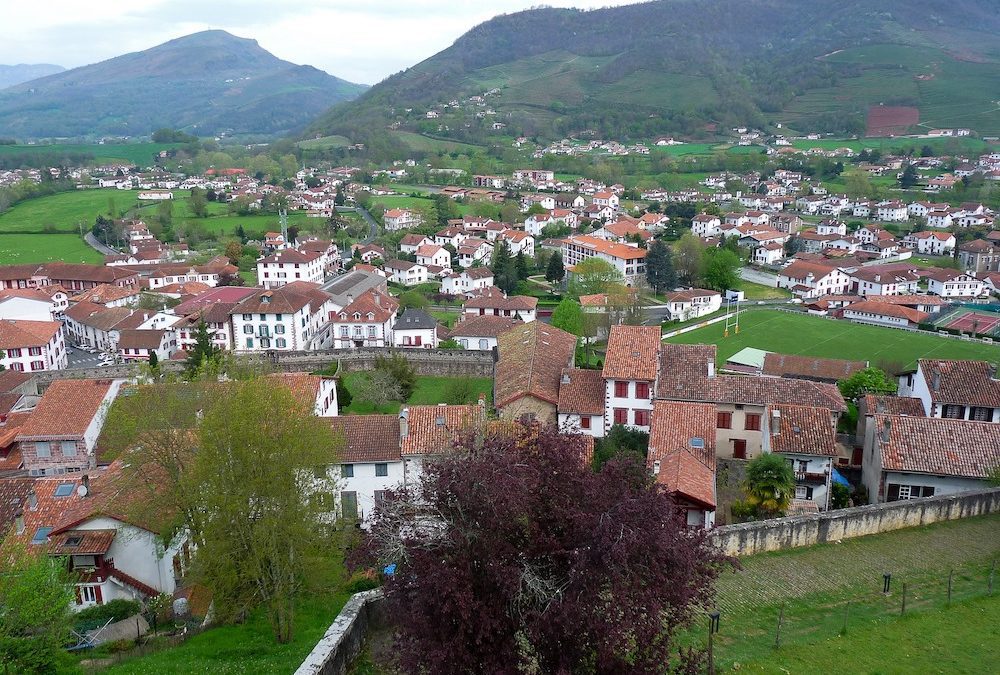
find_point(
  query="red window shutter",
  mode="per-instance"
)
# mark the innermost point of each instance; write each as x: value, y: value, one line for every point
x: 642, y: 418
x: 724, y: 420
x: 97, y: 594
x: 585, y: 422
x: 641, y: 390
x: 752, y: 422
x: 621, y: 389
x: 621, y: 416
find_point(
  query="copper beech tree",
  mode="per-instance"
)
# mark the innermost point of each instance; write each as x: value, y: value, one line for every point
x: 513, y: 556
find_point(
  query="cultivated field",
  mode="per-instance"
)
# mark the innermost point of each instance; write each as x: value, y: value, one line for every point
x: 793, y: 333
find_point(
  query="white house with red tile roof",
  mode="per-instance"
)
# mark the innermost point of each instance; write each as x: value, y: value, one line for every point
x: 949, y: 283
x: 287, y: 318
x: 411, y: 242
x: 493, y: 302
x: 629, y: 260
x: 465, y: 281
x: 884, y: 281
x: 370, y: 463
x: 519, y: 242
x: 806, y: 437
x: 630, y: 373
x: 705, y: 225
x: 400, y: 219
x: 812, y: 280
x: 287, y: 265
x: 929, y: 242
x: 682, y: 457
x: 581, y: 402
x: 692, y: 303
x: 31, y: 346
x: 406, y: 272
x: 884, y: 314
x: 769, y: 254
x: 432, y: 254
x: 967, y: 390
x: 892, y: 210
x: 366, y: 322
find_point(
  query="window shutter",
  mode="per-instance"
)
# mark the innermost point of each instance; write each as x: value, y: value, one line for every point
x: 893, y: 492
x: 97, y: 594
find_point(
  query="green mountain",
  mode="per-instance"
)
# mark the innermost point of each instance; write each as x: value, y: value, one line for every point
x: 23, y: 72
x: 205, y: 83
x: 674, y: 66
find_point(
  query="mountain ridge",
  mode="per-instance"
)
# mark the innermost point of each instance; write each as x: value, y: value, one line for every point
x: 671, y: 66
x: 17, y: 73
x: 206, y: 83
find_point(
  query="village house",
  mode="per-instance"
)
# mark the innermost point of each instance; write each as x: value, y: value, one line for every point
x: 629, y: 260
x: 370, y: 463
x: 929, y: 242
x: 812, y: 280
x: 705, y: 226
x: 139, y: 345
x: 432, y: 255
x: 47, y: 303
x: 92, y: 521
x: 883, y: 281
x: 406, y: 272
x: 768, y: 254
x: 400, y: 219
x: 682, y: 457
x: 31, y: 346
x: 493, y: 302
x: 288, y: 318
x: 415, y: 328
x: 805, y: 436
x: 910, y: 457
x: 882, y: 313
x: 949, y: 283
x: 287, y: 265
x: 965, y: 390
x: 411, y: 242
x: 474, y: 250
x: 368, y: 253
x: 466, y: 281
x: 692, y: 303
x: 61, y: 434
x: 364, y: 322
x: 481, y: 333
x: 213, y: 307
x: 531, y: 358
x: 97, y: 326
x: 429, y: 431
x: 978, y: 256
x: 581, y: 402
x: 630, y: 370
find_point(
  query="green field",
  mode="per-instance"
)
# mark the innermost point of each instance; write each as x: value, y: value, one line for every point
x: 890, y: 144
x: 324, y: 143
x: 814, y: 585
x: 30, y: 248
x: 420, y: 143
x: 141, y: 154
x: 429, y: 391
x: 792, y: 333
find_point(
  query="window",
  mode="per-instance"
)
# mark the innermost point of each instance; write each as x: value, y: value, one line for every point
x: 68, y: 448
x: 34, y: 351
x: 982, y: 414
x: 641, y: 418
x: 484, y: 344
x: 38, y: 365
x: 465, y: 343
x: 585, y: 421
x: 41, y: 534
x: 13, y: 353
x: 382, y: 469
x: 724, y: 420
x: 347, y: 471
x: 265, y: 343
x: 349, y: 504
x: 279, y: 329
x: 752, y: 422
x: 371, y: 331
x: 88, y: 594
x: 64, y: 490
x: 249, y: 343
x: 343, y: 331
x: 642, y: 390
x: 380, y: 497
x: 280, y: 343
x: 621, y: 416
x: 43, y: 449
x: 319, y: 471
x: 357, y: 331
x: 900, y: 492
x: 248, y: 317
x: 621, y: 389
x: 955, y: 412
x: 803, y: 492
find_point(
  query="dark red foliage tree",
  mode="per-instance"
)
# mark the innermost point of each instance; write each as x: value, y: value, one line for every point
x: 514, y: 556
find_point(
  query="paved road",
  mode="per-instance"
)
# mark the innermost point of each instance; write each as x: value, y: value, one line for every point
x: 80, y: 359
x: 372, y: 226
x: 758, y: 277
x: 98, y: 246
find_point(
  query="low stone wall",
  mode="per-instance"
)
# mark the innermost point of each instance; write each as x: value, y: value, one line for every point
x: 346, y: 635
x: 806, y: 530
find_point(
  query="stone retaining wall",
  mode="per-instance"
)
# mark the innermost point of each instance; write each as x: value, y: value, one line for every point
x: 818, y: 528
x: 346, y: 635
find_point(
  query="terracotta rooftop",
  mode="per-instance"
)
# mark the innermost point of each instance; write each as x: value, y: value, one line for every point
x: 487, y: 325
x: 581, y: 392
x: 632, y: 353
x: 682, y: 446
x: 532, y: 357
x: 514, y: 303
x: 802, y: 430
x: 66, y: 409
x: 13, y: 492
x: 938, y: 446
x: 287, y: 299
x: 432, y: 429
x: 105, y: 293
x: 972, y: 383
x: 17, y: 333
x: 140, y: 339
x: 367, y: 438
x: 887, y: 309
x: 893, y: 405
x: 810, y: 367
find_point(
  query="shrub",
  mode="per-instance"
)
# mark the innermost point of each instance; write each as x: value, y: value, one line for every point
x: 116, y: 610
x: 362, y: 581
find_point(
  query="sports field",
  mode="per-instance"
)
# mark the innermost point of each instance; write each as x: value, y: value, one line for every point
x: 793, y: 333
x: 981, y: 321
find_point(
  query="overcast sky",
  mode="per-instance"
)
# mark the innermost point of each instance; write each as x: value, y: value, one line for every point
x: 359, y: 40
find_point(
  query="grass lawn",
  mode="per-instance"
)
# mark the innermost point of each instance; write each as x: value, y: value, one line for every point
x: 447, y: 318
x: 761, y: 292
x: 31, y: 248
x: 250, y: 647
x: 792, y: 333
x: 959, y: 639
x: 429, y: 391
x: 65, y: 211
x: 814, y: 585
x: 141, y: 154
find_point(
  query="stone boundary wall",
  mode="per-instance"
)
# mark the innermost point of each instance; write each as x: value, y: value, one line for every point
x: 436, y: 362
x: 346, y: 635
x: 819, y: 528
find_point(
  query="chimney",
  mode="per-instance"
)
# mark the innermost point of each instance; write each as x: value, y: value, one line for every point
x: 775, y: 421
x: 404, y: 422
x: 378, y: 299
x: 711, y: 368
x: 656, y: 467
x: 936, y: 381
x: 85, y: 482
x: 33, y: 501
x: 19, y: 521
x: 564, y: 379
x: 350, y: 298
x: 886, y: 428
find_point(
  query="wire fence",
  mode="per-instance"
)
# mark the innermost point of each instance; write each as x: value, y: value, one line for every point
x: 746, y: 634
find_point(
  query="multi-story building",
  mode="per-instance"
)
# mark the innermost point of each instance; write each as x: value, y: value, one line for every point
x: 630, y: 369
x: 365, y: 322
x: 287, y: 265
x: 964, y: 390
x: 629, y: 260
x: 30, y: 346
x: 287, y: 318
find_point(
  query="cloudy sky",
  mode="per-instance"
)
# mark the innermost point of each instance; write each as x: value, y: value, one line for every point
x: 359, y: 40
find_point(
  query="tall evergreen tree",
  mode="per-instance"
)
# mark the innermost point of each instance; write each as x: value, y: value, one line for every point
x: 504, y: 267
x: 521, y: 265
x: 660, y: 267
x: 203, y: 350
x: 556, y: 271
